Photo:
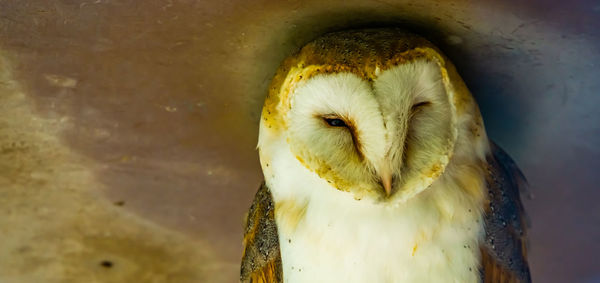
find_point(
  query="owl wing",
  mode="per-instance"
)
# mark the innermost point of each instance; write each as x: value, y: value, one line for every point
x: 261, y: 259
x: 504, y: 251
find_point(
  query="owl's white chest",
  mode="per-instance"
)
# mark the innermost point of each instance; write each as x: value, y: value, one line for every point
x: 326, y: 235
x: 345, y: 242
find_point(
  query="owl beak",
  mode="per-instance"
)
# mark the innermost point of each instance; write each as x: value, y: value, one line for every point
x: 386, y: 180
x: 387, y: 183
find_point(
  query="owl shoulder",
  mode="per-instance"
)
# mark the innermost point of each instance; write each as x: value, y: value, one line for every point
x: 504, y: 252
x: 261, y: 258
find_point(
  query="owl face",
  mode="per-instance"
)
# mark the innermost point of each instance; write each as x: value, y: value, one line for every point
x: 372, y: 138
x: 373, y: 114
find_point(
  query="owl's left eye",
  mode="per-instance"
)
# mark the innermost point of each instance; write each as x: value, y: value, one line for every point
x: 420, y: 104
x: 335, y: 122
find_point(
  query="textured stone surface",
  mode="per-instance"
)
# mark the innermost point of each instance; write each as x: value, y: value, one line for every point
x: 58, y: 227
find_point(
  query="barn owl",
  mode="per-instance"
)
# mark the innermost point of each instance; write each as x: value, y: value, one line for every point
x: 377, y: 168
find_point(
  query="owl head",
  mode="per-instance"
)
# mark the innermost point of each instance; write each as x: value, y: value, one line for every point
x: 374, y: 113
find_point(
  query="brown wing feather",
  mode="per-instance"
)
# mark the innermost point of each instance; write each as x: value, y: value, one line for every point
x: 261, y: 259
x: 504, y: 255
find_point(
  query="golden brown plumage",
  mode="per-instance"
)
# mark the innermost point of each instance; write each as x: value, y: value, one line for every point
x: 261, y: 259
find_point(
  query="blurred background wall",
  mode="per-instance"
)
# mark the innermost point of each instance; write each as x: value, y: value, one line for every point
x: 128, y: 128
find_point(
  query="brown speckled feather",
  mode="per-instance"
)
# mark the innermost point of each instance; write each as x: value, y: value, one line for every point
x: 261, y: 259
x: 503, y: 254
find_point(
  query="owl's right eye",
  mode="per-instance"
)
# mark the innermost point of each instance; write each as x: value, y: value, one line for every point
x: 335, y: 122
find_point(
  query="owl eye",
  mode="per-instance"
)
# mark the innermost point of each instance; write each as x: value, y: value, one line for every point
x: 335, y: 122
x: 420, y: 104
